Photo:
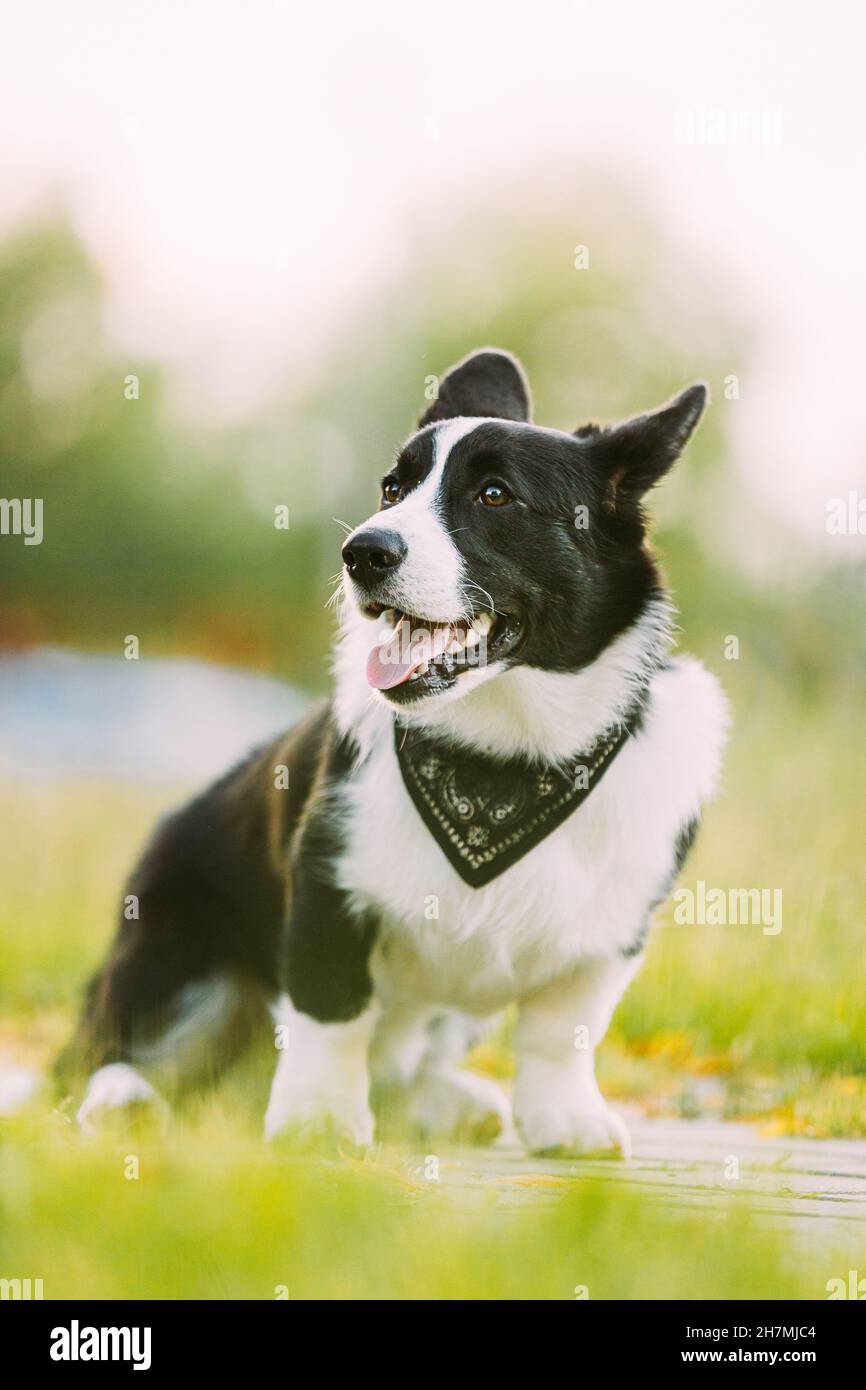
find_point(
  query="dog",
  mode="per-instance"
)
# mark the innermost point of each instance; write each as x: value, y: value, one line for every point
x: 502, y: 788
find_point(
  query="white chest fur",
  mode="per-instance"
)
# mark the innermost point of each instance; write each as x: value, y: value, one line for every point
x: 584, y: 891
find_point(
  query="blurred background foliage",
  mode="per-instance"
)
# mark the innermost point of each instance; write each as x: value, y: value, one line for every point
x: 163, y: 526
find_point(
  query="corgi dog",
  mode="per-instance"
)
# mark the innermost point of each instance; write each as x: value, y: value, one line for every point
x: 503, y: 785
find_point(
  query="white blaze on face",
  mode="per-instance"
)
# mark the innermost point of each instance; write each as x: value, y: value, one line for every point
x: 430, y: 581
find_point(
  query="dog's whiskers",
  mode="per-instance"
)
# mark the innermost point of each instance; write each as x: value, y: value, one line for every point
x: 485, y: 593
x: 335, y: 598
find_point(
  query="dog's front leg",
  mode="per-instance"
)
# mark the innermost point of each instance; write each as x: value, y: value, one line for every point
x: 558, y: 1107
x: 325, y: 1021
x: 321, y: 1085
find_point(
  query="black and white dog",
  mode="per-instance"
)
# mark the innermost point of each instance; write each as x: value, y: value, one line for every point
x: 503, y: 786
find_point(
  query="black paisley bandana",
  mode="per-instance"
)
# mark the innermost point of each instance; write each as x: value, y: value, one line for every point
x: 485, y: 813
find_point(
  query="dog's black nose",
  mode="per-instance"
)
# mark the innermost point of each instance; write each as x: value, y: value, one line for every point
x: 371, y: 554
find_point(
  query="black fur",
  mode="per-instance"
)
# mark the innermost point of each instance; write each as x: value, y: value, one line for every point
x: 685, y: 839
x: 568, y: 556
x: 327, y: 947
x: 488, y: 382
x: 211, y: 891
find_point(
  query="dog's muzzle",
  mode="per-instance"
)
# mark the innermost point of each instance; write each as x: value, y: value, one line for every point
x: 371, y: 556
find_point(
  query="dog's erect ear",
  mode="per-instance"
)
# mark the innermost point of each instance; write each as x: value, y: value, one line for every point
x: 636, y: 454
x: 488, y: 382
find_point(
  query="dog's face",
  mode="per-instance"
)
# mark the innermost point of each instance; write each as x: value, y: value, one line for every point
x: 498, y: 542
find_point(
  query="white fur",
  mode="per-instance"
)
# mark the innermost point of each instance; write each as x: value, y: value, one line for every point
x: 114, y: 1087
x: 458, y: 1104
x: 557, y: 1103
x: 430, y: 582
x: 581, y: 892
x: 322, y: 1077
x: 577, y: 900
x: 416, y: 1056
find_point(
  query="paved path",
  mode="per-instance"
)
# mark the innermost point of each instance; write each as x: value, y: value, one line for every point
x: 814, y: 1186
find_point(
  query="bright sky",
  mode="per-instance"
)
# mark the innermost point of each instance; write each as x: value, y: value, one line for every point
x: 246, y: 172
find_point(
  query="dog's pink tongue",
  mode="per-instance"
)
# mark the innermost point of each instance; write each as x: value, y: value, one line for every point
x: 393, y: 661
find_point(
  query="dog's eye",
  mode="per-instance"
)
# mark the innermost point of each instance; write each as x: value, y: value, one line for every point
x: 494, y: 495
x: 391, y: 492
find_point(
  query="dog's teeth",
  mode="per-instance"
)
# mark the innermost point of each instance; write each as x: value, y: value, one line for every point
x: 483, y: 623
x: 473, y: 637
x: 454, y: 646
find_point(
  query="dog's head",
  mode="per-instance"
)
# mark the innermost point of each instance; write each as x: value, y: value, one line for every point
x: 499, y: 542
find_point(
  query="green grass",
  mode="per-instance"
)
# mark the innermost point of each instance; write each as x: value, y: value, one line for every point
x: 721, y: 1019
x: 780, y: 1019
x: 214, y: 1213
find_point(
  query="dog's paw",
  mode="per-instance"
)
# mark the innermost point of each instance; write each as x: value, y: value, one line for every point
x: 458, y: 1105
x: 576, y: 1130
x: 336, y: 1121
x: 119, y: 1096
x: 319, y: 1095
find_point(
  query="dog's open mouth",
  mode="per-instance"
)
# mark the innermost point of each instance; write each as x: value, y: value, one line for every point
x: 415, y: 656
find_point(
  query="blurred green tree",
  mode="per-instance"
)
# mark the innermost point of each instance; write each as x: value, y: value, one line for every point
x: 168, y: 531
